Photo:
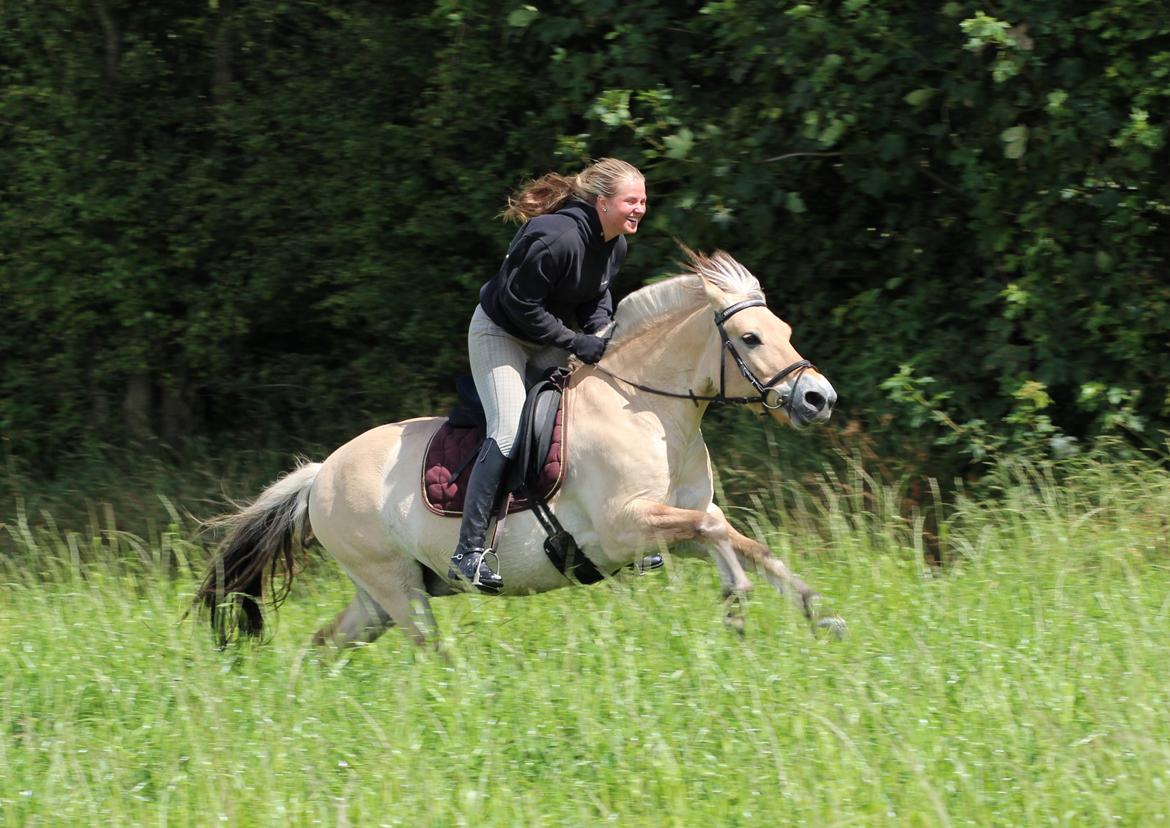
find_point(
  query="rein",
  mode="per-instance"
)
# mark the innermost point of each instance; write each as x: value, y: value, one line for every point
x: 767, y: 394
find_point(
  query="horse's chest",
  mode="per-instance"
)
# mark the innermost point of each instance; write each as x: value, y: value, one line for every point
x: 644, y: 453
x: 688, y: 477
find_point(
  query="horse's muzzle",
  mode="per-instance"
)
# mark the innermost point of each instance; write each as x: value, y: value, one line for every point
x: 812, y: 400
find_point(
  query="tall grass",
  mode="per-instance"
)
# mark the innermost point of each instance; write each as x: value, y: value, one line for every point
x: 1022, y: 684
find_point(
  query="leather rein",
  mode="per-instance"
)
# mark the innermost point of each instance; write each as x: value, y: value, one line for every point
x: 766, y: 392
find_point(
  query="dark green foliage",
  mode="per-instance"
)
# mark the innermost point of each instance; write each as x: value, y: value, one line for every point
x: 271, y: 218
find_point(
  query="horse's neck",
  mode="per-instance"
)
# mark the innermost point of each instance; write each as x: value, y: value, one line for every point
x: 680, y: 356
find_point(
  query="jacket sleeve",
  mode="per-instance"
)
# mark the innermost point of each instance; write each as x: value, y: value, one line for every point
x: 595, y: 315
x: 525, y: 292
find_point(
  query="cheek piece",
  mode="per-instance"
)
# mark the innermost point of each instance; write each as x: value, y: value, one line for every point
x: 769, y: 395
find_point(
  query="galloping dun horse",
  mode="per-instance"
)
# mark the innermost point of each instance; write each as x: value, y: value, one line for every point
x: 638, y: 472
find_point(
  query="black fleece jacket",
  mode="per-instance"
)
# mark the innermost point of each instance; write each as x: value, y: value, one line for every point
x: 555, y: 277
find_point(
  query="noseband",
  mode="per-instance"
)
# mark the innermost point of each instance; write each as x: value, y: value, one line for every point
x: 767, y: 394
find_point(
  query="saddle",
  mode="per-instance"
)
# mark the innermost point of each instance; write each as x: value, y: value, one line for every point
x: 538, y: 467
x: 533, y: 476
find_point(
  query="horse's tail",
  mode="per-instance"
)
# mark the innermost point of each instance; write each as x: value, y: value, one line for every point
x: 259, y: 552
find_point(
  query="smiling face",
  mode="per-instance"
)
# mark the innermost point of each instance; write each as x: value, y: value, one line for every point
x: 623, y: 211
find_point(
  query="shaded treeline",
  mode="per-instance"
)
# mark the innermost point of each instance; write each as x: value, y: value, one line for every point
x: 240, y: 218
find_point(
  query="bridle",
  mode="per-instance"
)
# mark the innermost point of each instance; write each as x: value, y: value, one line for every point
x: 767, y: 394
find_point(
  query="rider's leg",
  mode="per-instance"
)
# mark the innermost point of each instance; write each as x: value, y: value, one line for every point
x: 498, y: 362
x: 467, y: 563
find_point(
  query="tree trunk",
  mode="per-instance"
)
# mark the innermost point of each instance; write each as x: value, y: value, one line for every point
x: 136, y: 407
x: 177, y: 417
x: 113, y: 44
x: 225, y: 40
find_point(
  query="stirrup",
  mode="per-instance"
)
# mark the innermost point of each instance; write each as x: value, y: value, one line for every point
x: 648, y: 564
x: 457, y: 573
x: 494, y: 570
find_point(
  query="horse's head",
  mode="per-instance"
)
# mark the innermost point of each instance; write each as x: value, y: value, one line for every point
x: 757, y: 359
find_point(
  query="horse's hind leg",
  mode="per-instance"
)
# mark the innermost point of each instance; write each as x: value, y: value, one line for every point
x: 359, y: 623
x: 395, y: 583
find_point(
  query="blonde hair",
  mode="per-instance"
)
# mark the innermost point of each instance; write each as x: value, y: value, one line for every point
x: 550, y: 191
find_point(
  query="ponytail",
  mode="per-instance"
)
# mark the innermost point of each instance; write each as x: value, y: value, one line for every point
x: 537, y: 197
x: 552, y: 190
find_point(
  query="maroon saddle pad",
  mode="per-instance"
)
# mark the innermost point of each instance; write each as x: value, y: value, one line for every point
x: 451, y: 453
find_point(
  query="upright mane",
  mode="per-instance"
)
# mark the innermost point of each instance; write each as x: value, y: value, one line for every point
x: 724, y: 272
x: 679, y: 296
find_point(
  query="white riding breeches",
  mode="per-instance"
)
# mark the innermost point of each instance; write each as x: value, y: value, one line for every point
x: 499, y: 362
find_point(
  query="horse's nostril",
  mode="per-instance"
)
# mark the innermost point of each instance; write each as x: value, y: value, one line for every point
x: 815, y: 400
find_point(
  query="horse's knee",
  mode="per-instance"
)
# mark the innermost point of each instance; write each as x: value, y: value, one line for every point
x: 712, y: 528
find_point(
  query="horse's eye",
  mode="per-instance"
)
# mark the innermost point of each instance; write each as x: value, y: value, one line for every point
x: 750, y: 339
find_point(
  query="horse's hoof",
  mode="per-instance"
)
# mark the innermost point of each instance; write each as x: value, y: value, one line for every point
x: 835, y: 624
x: 734, y: 623
x: 822, y: 618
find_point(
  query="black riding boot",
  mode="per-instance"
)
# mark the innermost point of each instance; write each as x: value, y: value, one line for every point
x: 467, y: 564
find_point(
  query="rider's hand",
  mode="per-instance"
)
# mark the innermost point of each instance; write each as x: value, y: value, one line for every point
x: 588, y: 348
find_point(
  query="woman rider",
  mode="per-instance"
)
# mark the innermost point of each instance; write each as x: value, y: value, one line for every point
x: 553, y: 289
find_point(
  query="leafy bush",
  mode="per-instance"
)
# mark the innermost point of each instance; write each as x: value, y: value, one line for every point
x: 272, y: 218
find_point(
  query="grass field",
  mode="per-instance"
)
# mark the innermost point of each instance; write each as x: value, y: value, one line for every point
x: 1024, y: 684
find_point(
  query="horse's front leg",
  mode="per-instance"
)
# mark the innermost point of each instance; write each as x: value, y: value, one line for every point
x: 757, y: 556
x: 670, y: 524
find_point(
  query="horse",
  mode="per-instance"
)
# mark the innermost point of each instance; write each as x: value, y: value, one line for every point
x: 638, y: 474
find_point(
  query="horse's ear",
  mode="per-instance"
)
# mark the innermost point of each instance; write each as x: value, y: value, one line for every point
x: 699, y: 264
x: 715, y: 295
